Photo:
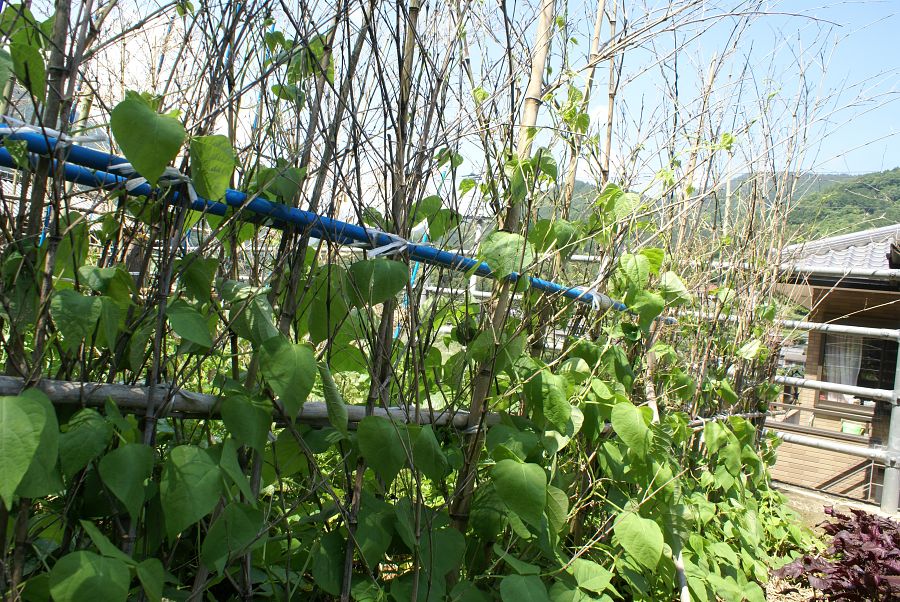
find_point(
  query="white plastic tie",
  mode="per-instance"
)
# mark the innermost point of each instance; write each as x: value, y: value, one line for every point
x: 133, y: 183
x: 89, y: 138
x: 396, y: 245
x: 17, y: 125
x: 169, y: 177
x: 594, y: 297
x: 125, y: 168
x: 392, y: 248
x: 172, y: 177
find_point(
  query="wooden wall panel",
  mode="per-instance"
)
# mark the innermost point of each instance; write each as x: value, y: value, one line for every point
x: 821, y: 469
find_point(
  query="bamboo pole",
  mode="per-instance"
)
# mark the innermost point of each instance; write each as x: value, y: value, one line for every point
x: 613, y: 86
x: 189, y: 404
x: 135, y: 399
x: 575, y: 147
x: 57, y: 72
x: 465, y: 485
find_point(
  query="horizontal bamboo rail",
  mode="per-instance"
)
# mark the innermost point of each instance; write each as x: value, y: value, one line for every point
x: 130, y: 399
x: 134, y: 399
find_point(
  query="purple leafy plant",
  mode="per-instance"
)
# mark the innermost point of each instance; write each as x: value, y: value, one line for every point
x: 861, y: 563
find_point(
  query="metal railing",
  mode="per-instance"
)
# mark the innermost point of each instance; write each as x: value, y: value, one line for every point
x: 829, y: 387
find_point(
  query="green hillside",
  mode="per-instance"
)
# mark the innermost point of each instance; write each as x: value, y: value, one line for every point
x: 823, y: 204
x: 859, y: 203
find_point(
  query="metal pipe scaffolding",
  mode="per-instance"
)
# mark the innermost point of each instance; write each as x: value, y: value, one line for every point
x: 800, y: 271
x: 821, y: 385
x: 890, y: 491
x: 864, y: 331
x: 91, y: 168
x: 890, y: 458
x: 891, y: 334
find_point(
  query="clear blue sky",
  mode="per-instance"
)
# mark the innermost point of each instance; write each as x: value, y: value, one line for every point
x: 854, y: 51
x: 851, y: 50
x: 865, y: 137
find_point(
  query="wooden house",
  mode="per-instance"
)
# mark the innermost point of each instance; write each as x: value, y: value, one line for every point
x: 847, y: 280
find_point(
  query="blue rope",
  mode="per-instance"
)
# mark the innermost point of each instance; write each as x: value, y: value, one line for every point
x: 45, y: 227
x: 412, y: 283
x: 415, y: 268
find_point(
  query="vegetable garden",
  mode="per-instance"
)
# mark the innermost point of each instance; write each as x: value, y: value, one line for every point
x: 244, y: 354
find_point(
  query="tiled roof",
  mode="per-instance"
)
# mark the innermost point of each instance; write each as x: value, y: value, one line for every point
x: 860, y: 250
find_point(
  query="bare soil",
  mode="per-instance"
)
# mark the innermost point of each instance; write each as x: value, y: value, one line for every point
x: 810, y: 505
x: 782, y: 591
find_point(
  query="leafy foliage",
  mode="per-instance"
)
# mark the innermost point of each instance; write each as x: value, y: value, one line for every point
x: 214, y: 162
x: 26, y: 49
x: 86, y: 575
x: 22, y: 420
x: 280, y: 426
x: 506, y: 253
x: 149, y: 140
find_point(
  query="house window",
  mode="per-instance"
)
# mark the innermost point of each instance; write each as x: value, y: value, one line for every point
x: 878, y: 364
x: 860, y: 361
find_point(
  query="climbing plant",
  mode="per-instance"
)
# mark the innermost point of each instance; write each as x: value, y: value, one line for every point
x: 202, y: 400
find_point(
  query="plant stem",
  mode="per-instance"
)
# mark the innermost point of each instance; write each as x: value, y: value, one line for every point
x: 465, y: 484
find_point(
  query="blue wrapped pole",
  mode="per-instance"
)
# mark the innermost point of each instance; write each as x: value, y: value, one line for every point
x: 90, y: 167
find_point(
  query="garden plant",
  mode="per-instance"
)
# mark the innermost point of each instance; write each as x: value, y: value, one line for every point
x: 224, y: 405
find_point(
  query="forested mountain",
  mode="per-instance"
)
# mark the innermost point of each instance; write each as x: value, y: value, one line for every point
x: 862, y: 202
